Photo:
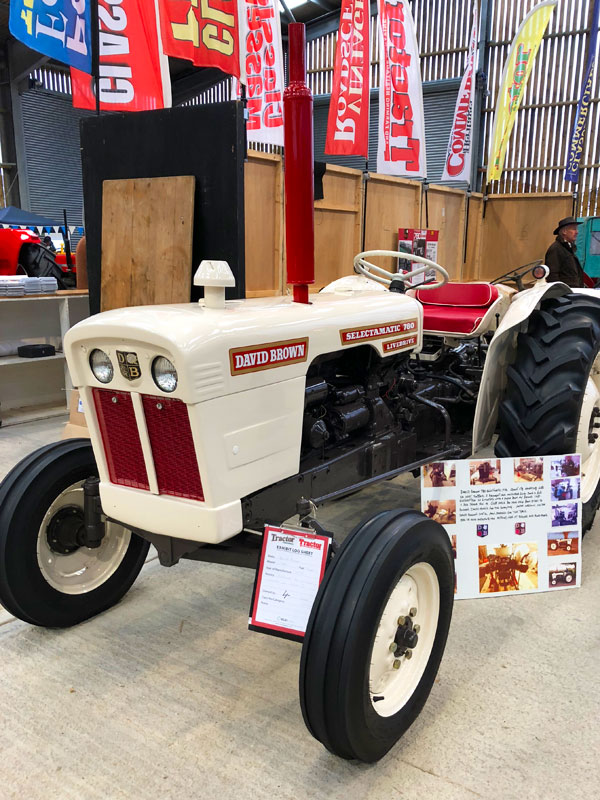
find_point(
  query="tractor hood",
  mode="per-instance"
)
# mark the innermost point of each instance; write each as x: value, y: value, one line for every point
x: 248, y: 343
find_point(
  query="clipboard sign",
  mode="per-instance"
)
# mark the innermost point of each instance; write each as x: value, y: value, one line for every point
x: 292, y: 565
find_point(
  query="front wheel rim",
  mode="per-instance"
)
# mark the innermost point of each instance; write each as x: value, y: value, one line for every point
x: 394, y: 677
x: 85, y: 569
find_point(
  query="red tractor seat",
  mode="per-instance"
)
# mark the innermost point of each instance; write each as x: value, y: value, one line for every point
x: 460, y: 309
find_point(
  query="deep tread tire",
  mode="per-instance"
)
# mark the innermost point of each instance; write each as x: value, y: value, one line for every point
x: 334, y: 668
x: 546, y: 383
x: 26, y: 494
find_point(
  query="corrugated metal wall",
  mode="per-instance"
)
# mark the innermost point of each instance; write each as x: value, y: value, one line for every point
x: 52, y: 147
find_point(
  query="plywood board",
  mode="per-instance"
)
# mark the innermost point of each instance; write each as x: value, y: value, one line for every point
x: 447, y: 215
x: 392, y: 203
x: 147, y: 231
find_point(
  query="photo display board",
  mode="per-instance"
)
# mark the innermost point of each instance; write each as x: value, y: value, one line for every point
x: 514, y: 523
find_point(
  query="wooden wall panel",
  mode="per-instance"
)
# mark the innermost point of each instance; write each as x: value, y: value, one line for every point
x: 263, y: 198
x: 147, y: 228
x: 447, y: 215
x: 518, y: 229
x: 470, y: 270
x: 392, y: 203
x: 338, y: 224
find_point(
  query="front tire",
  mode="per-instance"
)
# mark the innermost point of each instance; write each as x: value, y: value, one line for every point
x: 44, y: 580
x: 393, y: 573
x: 552, y: 401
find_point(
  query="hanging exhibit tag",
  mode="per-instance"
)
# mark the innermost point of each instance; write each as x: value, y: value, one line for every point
x: 401, y: 145
x: 59, y: 29
x: 514, y: 523
x: 204, y: 32
x: 262, y: 70
x: 517, y: 70
x: 133, y: 71
x: 292, y: 565
x: 457, y: 166
x: 348, y: 121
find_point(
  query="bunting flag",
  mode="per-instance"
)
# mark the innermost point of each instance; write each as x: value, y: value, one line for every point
x: 59, y: 29
x: 578, y: 134
x: 133, y: 71
x: 460, y: 146
x: 348, y: 121
x: 204, y: 32
x: 262, y: 70
x: 516, y: 73
x: 401, y: 145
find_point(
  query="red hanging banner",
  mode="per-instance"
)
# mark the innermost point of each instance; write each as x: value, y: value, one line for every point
x: 204, y: 32
x: 134, y: 73
x: 348, y: 121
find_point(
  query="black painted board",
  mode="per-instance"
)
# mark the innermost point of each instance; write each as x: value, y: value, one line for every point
x: 205, y: 141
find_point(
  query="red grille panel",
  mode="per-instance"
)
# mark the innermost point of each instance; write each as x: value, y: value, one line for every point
x: 172, y: 447
x: 121, y: 439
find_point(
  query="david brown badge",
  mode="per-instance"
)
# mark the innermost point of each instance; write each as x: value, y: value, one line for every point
x: 129, y: 365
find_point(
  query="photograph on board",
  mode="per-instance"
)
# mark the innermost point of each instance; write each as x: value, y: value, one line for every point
x: 508, y: 567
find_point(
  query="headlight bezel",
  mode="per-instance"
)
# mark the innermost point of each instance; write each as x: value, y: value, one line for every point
x: 171, y: 370
x: 104, y: 354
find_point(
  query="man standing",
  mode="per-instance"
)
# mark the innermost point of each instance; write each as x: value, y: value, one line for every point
x: 560, y: 257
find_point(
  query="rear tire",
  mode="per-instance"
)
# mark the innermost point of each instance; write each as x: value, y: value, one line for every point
x: 352, y: 697
x: 552, y: 399
x: 50, y: 584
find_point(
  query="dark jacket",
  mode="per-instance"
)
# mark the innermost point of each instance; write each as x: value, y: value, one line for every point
x: 564, y: 265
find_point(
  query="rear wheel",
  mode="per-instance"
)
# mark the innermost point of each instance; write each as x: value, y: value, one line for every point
x: 376, y: 634
x: 46, y: 577
x: 552, y: 401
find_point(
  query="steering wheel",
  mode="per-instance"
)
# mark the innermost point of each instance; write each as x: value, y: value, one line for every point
x: 384, y: 276
x: 516, y: 275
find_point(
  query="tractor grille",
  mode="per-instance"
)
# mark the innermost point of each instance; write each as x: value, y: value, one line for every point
x: 172, y: 447
x: 122, y: 446
x: 170, y: 438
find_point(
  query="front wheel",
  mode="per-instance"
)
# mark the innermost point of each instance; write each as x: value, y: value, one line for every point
x: 376, y: 634
x: 552, y: 401
x: 46, y: 577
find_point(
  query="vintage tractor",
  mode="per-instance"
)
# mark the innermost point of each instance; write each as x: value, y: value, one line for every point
x: 210, y: 419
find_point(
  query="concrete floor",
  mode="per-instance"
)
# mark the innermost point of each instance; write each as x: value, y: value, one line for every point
x: 169, y: 696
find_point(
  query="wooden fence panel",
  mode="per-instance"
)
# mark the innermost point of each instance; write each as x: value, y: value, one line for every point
x: 447, y: 215
x: 518, y: 229
x: 263, y: 206
x: 338, y: 224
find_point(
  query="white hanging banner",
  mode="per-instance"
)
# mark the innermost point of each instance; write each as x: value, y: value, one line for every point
x: 262, y: 71
x: 401, y: 146
x: 460, y: 145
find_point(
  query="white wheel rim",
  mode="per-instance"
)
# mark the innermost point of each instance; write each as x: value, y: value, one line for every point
x: 86, y: 568
x: 418, y: 589
x: 590, y: 451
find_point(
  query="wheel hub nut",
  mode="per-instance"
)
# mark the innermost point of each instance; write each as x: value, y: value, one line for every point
x: 397, y: 663
x: 393, y: 647
x: 417, y: 628
x: 401, y: 620
x: 408, y: 654
x: 413, y: 612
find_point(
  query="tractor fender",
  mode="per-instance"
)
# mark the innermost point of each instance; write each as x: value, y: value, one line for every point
x: 501, y: 354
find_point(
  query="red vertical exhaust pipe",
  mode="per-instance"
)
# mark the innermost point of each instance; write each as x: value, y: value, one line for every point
x: 299, y: 188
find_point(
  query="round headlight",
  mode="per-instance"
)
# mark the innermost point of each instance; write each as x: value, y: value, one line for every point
x: 101, y: 366
x: 164, y: 374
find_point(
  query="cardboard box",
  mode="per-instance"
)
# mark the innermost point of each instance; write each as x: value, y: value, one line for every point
x: 75, y: 427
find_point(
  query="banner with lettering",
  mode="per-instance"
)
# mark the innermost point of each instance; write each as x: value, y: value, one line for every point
x: 517, y: 69
x: 59, y: 29
x: 401, y: 145
x: 578, y: 134
x: 133, y: 71
x: 460, y: 145
x: 204, y: 32
x: 348, y: 121
x: 262, y: 70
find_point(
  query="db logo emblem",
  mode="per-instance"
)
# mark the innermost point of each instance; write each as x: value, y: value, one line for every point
x: 129, y: 365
